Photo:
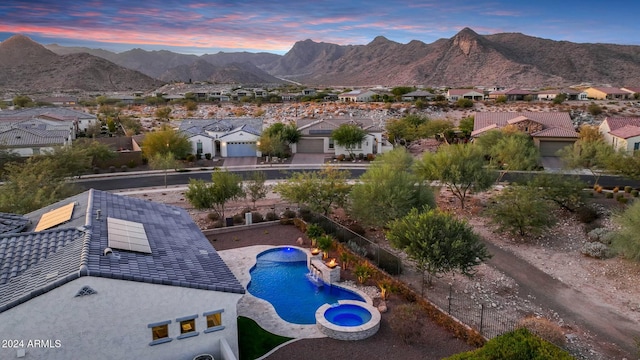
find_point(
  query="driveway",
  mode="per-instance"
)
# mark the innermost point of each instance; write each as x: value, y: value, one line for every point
x: 240, y: 161
x: 310, y: 159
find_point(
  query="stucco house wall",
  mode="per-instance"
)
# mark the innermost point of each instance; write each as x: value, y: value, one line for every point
x: 113, y: 323
x: 208, y: 145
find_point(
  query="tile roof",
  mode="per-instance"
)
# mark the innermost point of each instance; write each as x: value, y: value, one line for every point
x: 611, y: 90
x: 618, y: 122
x: 12, y: 223
x: 461, y: 92
x: 24, y: 137
x: 202, y: 126
x: 53, y: 112
x: 556, y: 132
x: 32, y: 263
x: 627, y: 131
x: 307, y: 124
x: 501, y: 119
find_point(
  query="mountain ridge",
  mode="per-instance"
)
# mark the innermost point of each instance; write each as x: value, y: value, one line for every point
x: 466, y: 59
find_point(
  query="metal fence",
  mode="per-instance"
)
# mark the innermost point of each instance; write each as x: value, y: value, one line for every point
x: 383, y: 259
x: 489, y: 321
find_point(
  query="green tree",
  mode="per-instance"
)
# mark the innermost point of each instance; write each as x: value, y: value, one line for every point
x: 464, y: 103
x: 96, y: 151
x: 564, y: 190
x: 163, y: 161
x: 521, y: 210
x: 626, y: 240
x: 501, y: 99
x: 625, y: 164
x: 36, y: 183
x: 190, y: 105
x: 163, y: 113
x: 594, y: 109
x: 319, y: 190
x: 509, y: 151
x: 166, y: 140
x: 388, y: 190
x: 595, y: 156
x: 199, y: 194
x: 226, y: 187
x: 466, y: 126
x: 349, y: 136
x: 459, y: 167
x: 438, y: 242
x: 131, y: 125
x: 559, y: 99
x: 271, y: 145
x: 22, y: 101
x: 255, y: 187
x: 404, y: 130
x: 6, y: 156
x: 434, y: 127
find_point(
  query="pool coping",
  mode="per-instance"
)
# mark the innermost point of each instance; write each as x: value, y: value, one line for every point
x: 339, y: 332
x: 240, y: 261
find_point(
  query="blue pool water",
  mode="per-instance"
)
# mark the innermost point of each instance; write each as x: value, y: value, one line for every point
x: 279, y: 276
x: 347, y: 315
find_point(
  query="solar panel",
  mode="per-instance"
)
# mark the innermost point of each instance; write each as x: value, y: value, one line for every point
x: 127, y: 235
x: 55, y: 217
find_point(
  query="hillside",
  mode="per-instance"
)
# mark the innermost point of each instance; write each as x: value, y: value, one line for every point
x: 26, y: 66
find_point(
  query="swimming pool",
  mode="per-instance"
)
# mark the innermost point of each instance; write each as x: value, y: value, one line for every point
x: 279, y: 277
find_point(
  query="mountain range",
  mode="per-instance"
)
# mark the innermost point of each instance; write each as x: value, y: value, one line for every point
x: 506, y: 59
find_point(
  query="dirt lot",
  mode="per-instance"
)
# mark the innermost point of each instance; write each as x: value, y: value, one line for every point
x: 612, y: 282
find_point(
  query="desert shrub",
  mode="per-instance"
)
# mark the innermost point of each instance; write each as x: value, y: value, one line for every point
x: 357, y: 228
x: 360, y: 156
x: 305, y: 214
x: 238, y: 219
x: 586, y: 214
x: 245, y: 210
x: 517, y: 344
x: 363, y: 272
x: 616, y: 189
x: 357, y: 249
x: 371, y: 157
x: 634, y: 193
x: 597, y: 234
x: 217, y: 224
x: 545, y: 329
x: 271, y: 216
x: 628, y: 189
x: 623, y: 200
x: 596, y: 250
x: 123, y: 168
x: 112, y: 168
x: 213, y: 216
x: 619, y: 196
x: 257, y: 217
x: 314, y: 231
x: 406, y: 322
x: 190, y: 158
x: 288, y: 214
x: 609, y: 195
x: 341, y: 157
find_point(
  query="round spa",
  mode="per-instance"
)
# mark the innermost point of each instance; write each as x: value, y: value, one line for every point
x: 348, y: 320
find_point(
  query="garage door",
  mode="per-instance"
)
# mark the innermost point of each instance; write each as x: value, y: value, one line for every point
x: 310, y: 146
x: 550, y: 148
x: 241, y: 148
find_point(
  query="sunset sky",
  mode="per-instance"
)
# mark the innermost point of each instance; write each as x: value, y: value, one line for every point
x: 202, y: 26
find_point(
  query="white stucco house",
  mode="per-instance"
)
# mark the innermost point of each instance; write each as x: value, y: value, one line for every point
x: 316, y: 137
x: 81, y: 120
x: 223, y: 138
x: 104, y: 276
x: 623, y: 133
x: 357, y: 96
x: 471, y: 94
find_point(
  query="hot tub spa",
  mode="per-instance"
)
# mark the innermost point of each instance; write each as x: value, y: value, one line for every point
x: 348, y: 320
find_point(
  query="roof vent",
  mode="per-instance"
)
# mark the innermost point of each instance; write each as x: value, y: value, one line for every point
x: 98, y: 212
x: 108, y: 251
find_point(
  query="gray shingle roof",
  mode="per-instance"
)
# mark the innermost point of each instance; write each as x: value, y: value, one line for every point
x: 201, y: 126
x: 34, y: 263
x: 49, y: 111
x: 26, y: 137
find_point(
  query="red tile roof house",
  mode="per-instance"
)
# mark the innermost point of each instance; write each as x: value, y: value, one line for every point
x: 551, y: 131
x: 632, y: 89
x: 623, y: 133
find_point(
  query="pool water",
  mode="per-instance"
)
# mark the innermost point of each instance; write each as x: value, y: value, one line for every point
x: 279, y: 277
x: 347, y: 315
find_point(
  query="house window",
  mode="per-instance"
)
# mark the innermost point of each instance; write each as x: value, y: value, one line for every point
x: 636, y: 146
x: 331, y: 145
x: 199, y: 147
x: 187, y: 326
x: 214, y: 321
x: 159, y: 332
